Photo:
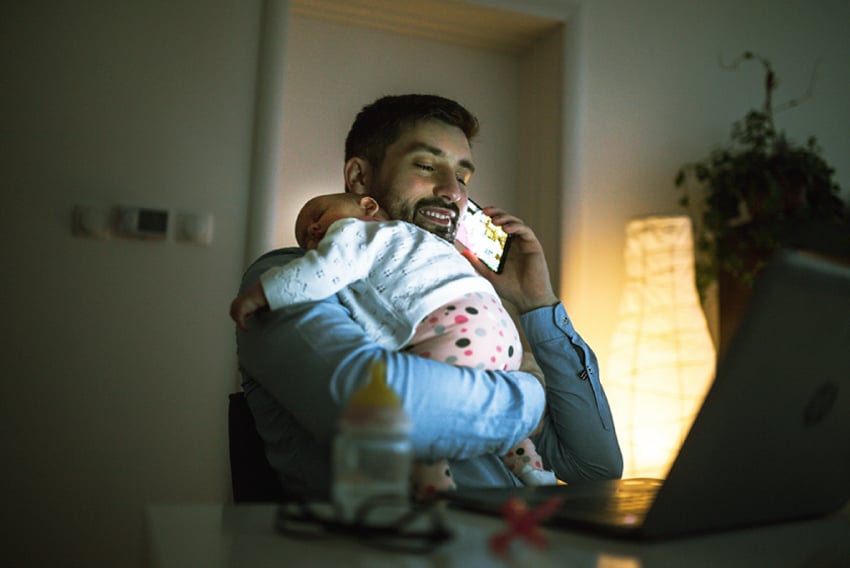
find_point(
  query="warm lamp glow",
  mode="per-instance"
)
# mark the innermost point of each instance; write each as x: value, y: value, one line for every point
x: 662, y: 358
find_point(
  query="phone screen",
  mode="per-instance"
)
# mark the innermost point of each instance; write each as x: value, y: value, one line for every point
x: 488, y: 242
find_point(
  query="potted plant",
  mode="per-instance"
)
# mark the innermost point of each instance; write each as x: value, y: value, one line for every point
x: 751, y: 197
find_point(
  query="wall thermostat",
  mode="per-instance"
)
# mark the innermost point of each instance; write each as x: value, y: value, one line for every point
x: 142, y: 223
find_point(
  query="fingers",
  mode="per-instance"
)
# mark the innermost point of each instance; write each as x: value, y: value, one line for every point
x: 242, y: 309
x: 502, y: 218
x: 512, y: 225
x: 239, y: 313
x: 247, y: 304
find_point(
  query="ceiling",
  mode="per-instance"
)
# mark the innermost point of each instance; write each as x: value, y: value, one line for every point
x: 449, y: 21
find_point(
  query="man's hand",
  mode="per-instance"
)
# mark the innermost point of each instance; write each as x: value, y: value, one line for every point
x: 247, y: 304
x: 524, y: 280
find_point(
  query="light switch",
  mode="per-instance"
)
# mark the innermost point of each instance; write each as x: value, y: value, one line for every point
x: 194, y: 227
x: 93, y: 221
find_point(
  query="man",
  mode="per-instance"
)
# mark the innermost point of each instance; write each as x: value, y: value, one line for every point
x: 300, y: 365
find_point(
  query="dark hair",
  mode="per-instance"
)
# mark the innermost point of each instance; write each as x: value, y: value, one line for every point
x: 381, y: 123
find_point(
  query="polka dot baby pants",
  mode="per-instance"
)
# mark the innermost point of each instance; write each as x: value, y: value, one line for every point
x: 474, y: 331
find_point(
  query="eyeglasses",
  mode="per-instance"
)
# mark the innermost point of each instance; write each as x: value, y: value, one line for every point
x: 381, y: 523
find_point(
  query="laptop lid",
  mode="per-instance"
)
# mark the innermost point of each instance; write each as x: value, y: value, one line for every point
x: 772, y: 439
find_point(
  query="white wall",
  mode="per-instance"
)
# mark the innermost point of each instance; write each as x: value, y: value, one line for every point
x: 333, y: 70
x: 117, y: 355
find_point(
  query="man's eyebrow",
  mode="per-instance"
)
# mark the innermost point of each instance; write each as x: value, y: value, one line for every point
x: 422, y: 146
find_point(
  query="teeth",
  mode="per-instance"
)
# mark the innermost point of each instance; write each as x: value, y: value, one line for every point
x: 441, y: 216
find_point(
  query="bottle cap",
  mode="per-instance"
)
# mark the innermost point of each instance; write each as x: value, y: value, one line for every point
x: 375, y: 405
x: 376, y: 392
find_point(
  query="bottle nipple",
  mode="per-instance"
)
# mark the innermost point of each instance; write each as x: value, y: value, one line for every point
x: 376, y: 392
x: 375, y: 404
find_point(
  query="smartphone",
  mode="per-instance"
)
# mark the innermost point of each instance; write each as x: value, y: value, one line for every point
x: 488, y: 242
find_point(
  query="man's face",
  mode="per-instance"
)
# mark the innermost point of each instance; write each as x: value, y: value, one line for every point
x: 423, y: 177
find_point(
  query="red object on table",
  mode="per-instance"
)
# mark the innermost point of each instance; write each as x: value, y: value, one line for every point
x: 524, y: 523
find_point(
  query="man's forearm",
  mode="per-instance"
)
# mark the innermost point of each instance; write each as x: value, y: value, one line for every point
x: 578, y: 438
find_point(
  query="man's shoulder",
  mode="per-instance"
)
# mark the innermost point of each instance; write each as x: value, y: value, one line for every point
x: 271, y: 259
x: 284, y: 254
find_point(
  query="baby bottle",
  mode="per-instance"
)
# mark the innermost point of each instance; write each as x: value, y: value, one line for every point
x: 372, y: 453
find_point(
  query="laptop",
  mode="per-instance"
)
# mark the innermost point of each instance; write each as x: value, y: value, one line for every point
x: 771, y: 441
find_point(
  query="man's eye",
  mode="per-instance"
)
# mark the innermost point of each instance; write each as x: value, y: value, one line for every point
x: 461, y: 180
x: 425, y: 167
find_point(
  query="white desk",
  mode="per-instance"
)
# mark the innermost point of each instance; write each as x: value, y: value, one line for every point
x: 218, y: 536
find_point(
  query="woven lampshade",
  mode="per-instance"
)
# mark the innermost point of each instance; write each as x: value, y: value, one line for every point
x: 662, y: 357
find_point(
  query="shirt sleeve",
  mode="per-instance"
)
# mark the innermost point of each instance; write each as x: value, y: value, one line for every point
x: 311, y: 358
x: 578, y: 440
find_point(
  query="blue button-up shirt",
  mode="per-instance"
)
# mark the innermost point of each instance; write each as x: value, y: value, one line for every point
x: 300, y: 365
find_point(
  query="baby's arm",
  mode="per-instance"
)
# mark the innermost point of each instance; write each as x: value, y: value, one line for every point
x: 247, y: 304
x: 344, y: 256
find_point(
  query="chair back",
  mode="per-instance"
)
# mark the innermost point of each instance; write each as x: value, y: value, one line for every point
x: 252, y: 478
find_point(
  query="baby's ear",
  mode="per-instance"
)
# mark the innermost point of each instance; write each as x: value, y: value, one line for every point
x: 369, y: 205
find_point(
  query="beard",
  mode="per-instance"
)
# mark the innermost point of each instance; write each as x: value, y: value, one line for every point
x: 417, y: 214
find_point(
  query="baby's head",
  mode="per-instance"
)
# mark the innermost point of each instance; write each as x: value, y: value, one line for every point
x: 320, y: 212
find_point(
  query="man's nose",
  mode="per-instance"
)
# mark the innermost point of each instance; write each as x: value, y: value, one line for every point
x: 450, y: 189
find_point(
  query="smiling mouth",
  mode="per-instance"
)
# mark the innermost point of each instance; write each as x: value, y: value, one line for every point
x: 437, y: 216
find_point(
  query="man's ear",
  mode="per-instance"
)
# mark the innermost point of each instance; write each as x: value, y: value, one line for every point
x: 358, y: 176
x: 369, y: 205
